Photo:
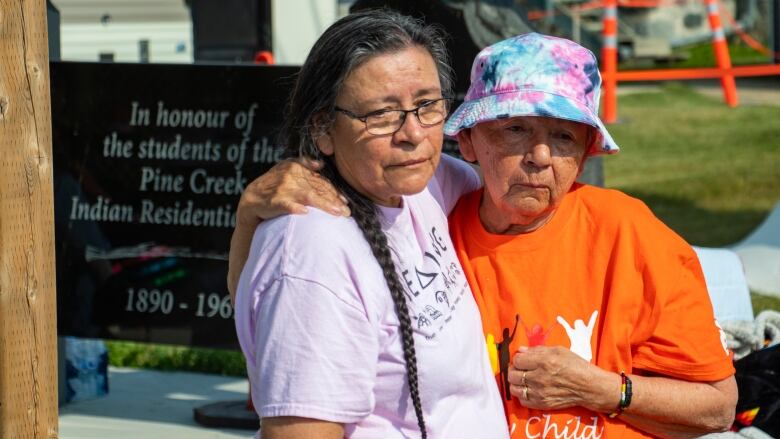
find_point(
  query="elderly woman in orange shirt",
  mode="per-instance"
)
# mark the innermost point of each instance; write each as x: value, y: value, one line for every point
x: 598, y: 312
x: 603, y: 307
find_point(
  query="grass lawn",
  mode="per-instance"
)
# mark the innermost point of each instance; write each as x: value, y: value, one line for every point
x: 712, y: 173
x: 180, y: 358
x: 701, y: 55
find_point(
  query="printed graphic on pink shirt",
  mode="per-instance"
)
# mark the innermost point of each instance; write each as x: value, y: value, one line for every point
x: 434, y: 285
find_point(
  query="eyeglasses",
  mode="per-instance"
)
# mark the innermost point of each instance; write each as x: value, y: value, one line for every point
x: 383, y: 122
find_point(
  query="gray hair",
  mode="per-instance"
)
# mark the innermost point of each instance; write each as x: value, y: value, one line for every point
x: 344, y: 46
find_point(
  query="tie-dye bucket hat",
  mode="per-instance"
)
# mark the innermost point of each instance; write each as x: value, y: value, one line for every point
x: 534, y: 75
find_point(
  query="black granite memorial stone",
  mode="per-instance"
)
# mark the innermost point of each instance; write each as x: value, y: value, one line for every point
x: 149, y: 163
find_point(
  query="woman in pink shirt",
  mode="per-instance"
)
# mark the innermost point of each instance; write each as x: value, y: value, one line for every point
x: 351, y: 325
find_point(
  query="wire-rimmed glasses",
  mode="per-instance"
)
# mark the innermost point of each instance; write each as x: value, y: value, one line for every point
x: 384, y: 122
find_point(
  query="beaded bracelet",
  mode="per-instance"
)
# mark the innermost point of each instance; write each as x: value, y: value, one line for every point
x: 625, y: 395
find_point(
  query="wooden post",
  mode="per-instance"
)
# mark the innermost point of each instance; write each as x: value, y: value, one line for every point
x: 28, y: 317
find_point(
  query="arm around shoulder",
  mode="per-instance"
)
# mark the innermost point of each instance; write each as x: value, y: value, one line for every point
x: 287, y: 188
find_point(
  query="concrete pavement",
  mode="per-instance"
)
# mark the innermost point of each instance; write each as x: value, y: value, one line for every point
x: 152, y: 405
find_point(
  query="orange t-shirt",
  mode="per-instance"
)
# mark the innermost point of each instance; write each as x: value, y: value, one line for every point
x: 604, y: 278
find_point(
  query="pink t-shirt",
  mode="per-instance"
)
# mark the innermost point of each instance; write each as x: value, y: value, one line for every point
x: 320, y: 333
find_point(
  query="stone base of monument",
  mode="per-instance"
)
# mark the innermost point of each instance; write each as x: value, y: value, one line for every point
x: 227, y: 414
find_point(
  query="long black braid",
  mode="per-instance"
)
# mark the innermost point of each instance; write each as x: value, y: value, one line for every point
x: 364, y: 212
x: 344, y: 46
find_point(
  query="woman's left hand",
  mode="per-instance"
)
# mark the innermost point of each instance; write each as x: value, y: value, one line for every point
x: 287, y: 188
x: 553, y: 377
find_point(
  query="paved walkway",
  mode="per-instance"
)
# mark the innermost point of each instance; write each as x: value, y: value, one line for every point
x: 763, y: 90
x: 145, y: 404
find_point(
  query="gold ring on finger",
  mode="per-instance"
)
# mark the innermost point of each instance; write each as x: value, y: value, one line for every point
x: 522, y: 379
x: 525, y: 392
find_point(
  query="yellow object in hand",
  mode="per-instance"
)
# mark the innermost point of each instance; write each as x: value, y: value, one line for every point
x: 492, y: 352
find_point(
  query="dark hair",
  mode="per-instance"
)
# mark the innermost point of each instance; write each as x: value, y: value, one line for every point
x: 344, y: 46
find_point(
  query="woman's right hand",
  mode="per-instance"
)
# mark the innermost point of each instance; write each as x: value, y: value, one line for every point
x: 287, y: 188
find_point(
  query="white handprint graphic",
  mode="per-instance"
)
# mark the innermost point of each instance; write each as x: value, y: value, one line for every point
x: 580, y: 335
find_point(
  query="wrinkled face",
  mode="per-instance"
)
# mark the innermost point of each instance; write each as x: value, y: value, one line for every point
x: 385, y: 167
x: 529, y: 164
